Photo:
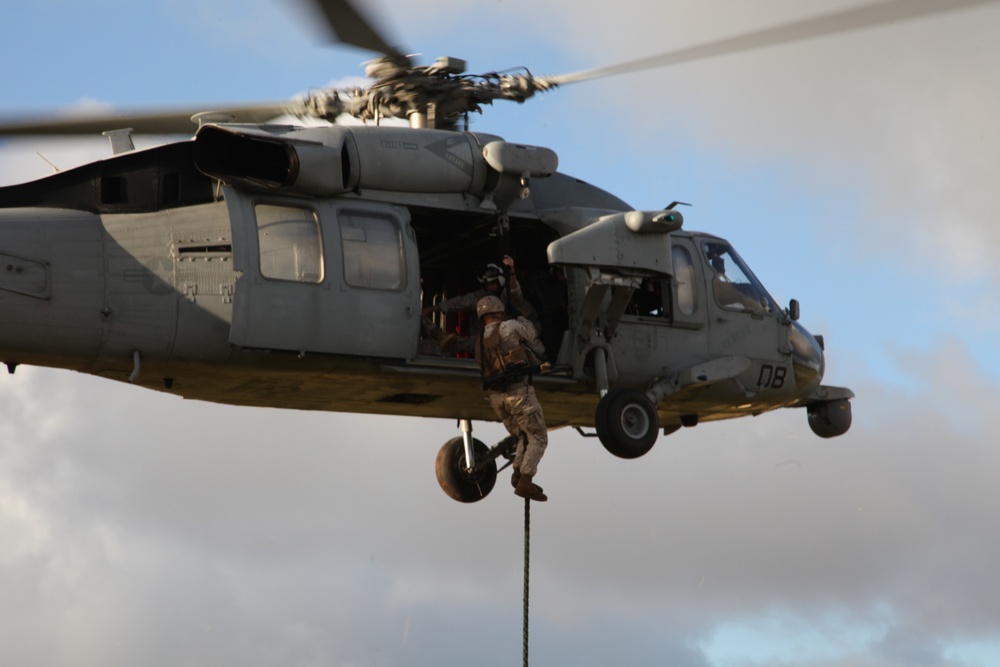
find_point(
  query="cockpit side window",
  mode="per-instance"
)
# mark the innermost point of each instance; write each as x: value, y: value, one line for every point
x: 684, y: 279
x: 733, y: 284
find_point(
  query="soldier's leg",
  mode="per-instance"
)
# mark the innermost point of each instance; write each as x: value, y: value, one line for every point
x: 464, y: 345
x: 430, y: 331
x: 428, y: 327
x: 538, y: 440
x: 531, y: 421
x: 498, y: 401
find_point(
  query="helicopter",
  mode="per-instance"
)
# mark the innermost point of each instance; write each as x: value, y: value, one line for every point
x: 283, y: 265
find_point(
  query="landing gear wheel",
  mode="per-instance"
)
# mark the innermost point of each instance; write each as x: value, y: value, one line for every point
x: 626, y: 423
x: 463, y: 486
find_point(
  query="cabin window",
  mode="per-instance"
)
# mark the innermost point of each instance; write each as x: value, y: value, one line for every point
x: 648, y: 299
x: 373, y: 251
x: 290, y: 243
x: 687, y: 296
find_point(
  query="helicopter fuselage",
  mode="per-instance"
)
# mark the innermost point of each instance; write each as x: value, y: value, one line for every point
x: 267, y: 266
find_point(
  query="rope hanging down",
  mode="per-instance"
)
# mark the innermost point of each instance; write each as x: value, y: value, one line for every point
x: 527, y: 560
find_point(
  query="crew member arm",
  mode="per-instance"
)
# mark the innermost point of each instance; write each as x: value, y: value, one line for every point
x: 463, y: 303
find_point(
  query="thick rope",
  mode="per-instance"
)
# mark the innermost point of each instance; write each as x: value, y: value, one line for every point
x: 527, y: 560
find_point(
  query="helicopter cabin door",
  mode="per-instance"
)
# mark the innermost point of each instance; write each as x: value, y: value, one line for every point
x: 328, y: 276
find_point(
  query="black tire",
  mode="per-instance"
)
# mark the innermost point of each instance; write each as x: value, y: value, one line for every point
x: 626, y: 423
x: 460, y: 485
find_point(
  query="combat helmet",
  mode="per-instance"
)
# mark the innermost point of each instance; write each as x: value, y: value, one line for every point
x: 489, y: 304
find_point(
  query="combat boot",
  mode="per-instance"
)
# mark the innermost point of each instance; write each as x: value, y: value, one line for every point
x: 515, y: 478
x: 527, y: 489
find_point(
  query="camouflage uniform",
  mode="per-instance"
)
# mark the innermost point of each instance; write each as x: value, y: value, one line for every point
x: 516, y: 404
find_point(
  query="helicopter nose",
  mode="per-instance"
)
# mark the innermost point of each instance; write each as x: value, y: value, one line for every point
x: 807, y: 358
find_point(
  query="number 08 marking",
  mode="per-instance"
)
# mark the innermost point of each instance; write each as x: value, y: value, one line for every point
x: 772, y: 377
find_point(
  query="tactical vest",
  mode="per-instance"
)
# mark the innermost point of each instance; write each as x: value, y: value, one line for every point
x: 499, y: 369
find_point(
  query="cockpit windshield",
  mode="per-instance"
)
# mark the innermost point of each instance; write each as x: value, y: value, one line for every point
x: 734, y: 285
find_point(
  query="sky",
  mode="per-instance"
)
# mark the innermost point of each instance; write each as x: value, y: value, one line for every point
x: 855, y: 173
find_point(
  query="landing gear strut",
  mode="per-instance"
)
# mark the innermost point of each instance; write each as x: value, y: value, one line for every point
x: 459, y: 482
x: 466, y: 468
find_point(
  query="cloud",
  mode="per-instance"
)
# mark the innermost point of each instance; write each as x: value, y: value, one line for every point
x: 260, y: 535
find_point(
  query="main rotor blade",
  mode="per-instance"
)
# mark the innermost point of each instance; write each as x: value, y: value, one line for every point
x: 350, y: 27
x: 168, y: 122
x: 820, y: 26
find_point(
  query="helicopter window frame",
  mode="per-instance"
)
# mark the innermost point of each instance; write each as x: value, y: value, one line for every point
x: 372, y: 249
x: 651, y: 300
x: 289, y: 243
x: 738, y: 290
x: 685, y: 281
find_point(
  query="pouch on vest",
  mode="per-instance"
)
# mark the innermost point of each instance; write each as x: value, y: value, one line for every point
x: 499, y: 369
